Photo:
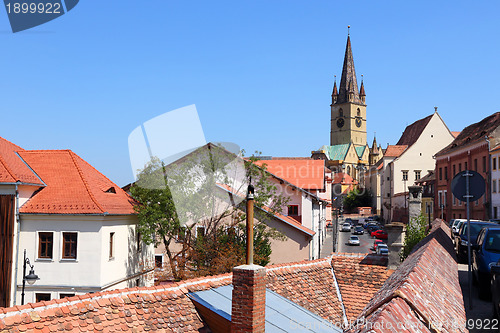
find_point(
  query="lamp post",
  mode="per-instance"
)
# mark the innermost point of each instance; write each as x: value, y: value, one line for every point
x: 30, y: 278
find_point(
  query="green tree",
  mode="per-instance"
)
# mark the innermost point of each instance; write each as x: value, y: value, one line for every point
x: 416, y: 230
x: 205, y: 189
x: 358, y: 198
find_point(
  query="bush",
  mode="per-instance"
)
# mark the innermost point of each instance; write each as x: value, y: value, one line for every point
x: 416, y: 230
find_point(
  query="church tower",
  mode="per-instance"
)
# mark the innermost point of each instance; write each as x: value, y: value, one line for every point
x: 348, y: 108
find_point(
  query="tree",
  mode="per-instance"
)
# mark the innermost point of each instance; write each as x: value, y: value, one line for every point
x: 416, y: 230
x: 358, y: 198
x: 205, y: 189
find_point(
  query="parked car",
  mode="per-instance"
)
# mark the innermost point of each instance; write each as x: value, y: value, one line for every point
x: 373, y: 228
x: 495, y: 289
x: 354, y: 240
x: 461, y: 240
x: 457, y: 224
x: 382, y: 249
x: 376, y: 243
x: 358, y: 230
x: 348, y: 220
x: 486, y: 253
x: 380, y: 234
x: 346, y: 227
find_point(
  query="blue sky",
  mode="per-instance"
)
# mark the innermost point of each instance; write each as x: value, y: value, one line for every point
x: 260, y: 72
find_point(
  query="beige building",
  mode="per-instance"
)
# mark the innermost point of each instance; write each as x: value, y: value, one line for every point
x: 408, y: 161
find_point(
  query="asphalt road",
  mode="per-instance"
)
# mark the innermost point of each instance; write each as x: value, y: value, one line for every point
x: 366, y: 242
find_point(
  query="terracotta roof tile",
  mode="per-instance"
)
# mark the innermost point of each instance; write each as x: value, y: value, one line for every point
x: 305, y: 173
x: 12, y: 168
x: 423, y: 290
x: 73, y: 186
x: 395, y: 151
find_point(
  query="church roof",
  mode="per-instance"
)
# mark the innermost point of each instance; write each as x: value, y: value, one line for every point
x: 336, y: 152
x: 413, y: 131
x: 360, y: 150
x: 348, y: 81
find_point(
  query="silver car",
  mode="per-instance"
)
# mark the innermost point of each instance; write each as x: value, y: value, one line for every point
x: 354, y: 240
x: 346, y: 227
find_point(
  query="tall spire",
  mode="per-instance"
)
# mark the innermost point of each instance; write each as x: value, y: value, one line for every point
x: 348, y: 89
x: 335, y: 93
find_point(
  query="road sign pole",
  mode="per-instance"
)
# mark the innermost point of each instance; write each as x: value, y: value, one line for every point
x: 468, y: 196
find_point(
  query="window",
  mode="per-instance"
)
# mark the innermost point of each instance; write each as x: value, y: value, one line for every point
x: 445, y: 194
x: 495, y: 212
x: 440, y: 173
x: 63, y: 295
x: 358, y: 113
x: 459, y: 167
x: 475, y: 164
x: 440, y: 198
x: 484, y: 163
x: 200, y: 231
x: 388, y: 195
x: 405, y: 175
x: 341, y: 113
x: 42, y: 297
x: 293, y: 210
x: 138, y: 241
x: 159, y: 260
x: 454, y: 170
x: 111, y: 244
x: 69, y: 245
x: 494, y: 186
x: 494, y: 162
x: 446, y: 173
x: 466, y: 166
x: 417, y: 174
x: 45, y: 245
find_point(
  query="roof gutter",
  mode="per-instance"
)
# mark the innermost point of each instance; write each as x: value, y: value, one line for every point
x: 18, y: 224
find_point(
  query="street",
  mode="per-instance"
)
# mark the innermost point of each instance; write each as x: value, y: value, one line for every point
x: 365, y: 243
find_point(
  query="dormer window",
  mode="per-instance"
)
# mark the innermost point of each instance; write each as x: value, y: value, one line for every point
x: 111, y: 190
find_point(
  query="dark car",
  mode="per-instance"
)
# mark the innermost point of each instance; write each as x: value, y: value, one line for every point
x: 380, y: 234
x: 373, y: 228
x: 486, y: 253
x: 348, y: 220
x: 358, y: 230
x: 461, y: 240
x: 495, y: 289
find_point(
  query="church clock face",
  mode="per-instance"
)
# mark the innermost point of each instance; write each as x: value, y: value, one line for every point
x: 358, y: 122
x: 340, y: 122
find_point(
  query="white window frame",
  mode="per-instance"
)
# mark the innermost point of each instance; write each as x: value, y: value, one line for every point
x: 37, y: 245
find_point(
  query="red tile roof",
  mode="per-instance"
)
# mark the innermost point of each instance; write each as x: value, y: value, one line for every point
x: 455, y: 133
x: 412, y: 132
x: 425, y: 290
x: 395, y: 150
x: 307, y: 283
x: 473, y: 133
x: 359, y: 280
x: 12, y: 168
x: 343, y: 178
x: 305, y: 173
x: 73, y: 186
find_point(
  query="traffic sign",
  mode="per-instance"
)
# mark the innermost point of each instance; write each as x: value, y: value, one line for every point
x: 476, y: 185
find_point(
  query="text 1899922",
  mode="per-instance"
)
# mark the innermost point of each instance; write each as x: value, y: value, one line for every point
x: 27, y: 7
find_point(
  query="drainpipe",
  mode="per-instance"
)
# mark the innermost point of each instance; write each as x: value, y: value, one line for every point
x: 490, y: 210
x: 18, y: 222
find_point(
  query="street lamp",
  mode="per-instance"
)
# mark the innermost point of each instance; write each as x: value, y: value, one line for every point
x: 30, y: 278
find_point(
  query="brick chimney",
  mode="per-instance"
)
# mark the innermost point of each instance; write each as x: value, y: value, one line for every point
x: 248, y: 312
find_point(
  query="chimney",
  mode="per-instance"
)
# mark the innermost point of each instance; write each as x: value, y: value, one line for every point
x: 248, y: 312
x: 395, y: 240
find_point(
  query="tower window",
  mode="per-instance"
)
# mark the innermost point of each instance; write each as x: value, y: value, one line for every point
x: 341, y: 113
x: 359, y: 113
